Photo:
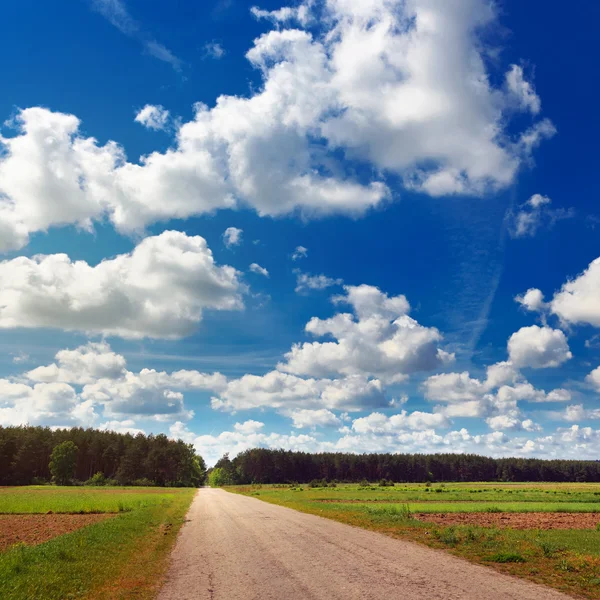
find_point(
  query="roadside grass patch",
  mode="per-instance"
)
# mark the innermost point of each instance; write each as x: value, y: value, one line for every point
x: 507, y: 557
x: 120, y: 557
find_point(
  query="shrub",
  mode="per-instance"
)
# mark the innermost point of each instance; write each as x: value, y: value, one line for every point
x: 144, y: 482
x: 507, y: 557
x: 364, y: 483
x: 97, y: 479
x: 386, y: 483
x: 447, y: 536
x: 548, y: 548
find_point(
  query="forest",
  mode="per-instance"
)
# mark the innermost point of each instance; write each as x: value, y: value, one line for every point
x: 280, y: 466
x: 100, y: 457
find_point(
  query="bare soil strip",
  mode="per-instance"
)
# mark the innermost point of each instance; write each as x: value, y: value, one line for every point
x: 239, y: 548
x: 540, y: 520
x: 37, y: 529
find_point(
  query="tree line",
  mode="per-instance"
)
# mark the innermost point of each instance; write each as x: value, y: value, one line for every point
x: 280, y: 466
x: 100, y: 457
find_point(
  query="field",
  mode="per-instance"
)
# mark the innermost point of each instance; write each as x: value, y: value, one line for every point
x: 546, y: 532
x: 73, y: 542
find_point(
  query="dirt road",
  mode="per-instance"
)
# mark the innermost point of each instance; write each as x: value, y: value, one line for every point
x: 235, y: 548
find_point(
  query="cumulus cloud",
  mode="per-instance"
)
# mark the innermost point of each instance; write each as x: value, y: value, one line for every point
x: 594, y: 379
x: 314, y: 418
x: 107, y: 383
x: 538, y: 347
x: 82, y: 365
x: 534, y: 214
x: 43, y: 404
x: 578, y: 301
x: 285, y: 392
x: 532, y: 300
x: 416, y: 101
x: 299, y: 252
x: 305, y: 282
x: 379, y: 340
x: 378, y: 423
x: 256, y: 268
x: 158, y: 290
x: 232, y: 236
x: 153, y: 117
x: 577, y: 412
x: 495, y: 398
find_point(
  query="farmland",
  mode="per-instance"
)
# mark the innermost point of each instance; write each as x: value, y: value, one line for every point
x: 545, y: 532
x: 76, y: 542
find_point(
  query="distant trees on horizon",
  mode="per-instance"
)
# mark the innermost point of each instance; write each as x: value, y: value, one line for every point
x: 104, y: 457
x: 30, y: 455
x: 280, y: 466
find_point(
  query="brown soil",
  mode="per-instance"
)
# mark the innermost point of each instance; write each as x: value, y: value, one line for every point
x: 36, y: 529
x: 515, y: 520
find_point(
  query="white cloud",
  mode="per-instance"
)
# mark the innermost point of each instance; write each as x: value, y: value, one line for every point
x: 380, y: 340
x: 122, y: 393
x: 256, y: 268
x: 232, y: 236
x: 378, y: 423
x: 532, y: 300
x: 577, y: 412
x: 535, y: 213
x: 82, y: 365
x: 522, y: 90
x: 153, y: 117
x: 400, y: 85
x: 305, y: 281
x: 285, y: 393
x: 594, y: 379
x: 20, y: 357
x: 496, y: 399
x: 538, y: 347
x: 214, y: 50
x: 285, y: 14
x: 43, y: 404
x: 578, y: 301
x: 299, y: 252
x: 131, y: 295
x: 314, y: 418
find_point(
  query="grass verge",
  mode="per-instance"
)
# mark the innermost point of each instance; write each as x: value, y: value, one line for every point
x: 120, y: 558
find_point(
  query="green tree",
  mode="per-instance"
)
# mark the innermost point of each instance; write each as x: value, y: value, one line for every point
x: 63, y: 462
x: 218, y: 477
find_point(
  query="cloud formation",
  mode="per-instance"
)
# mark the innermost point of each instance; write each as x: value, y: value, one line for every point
x: 416, y: 102
x: 378, y: 339
x: 159, y: 290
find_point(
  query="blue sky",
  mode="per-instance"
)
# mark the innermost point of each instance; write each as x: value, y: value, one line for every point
x: 435, y: 162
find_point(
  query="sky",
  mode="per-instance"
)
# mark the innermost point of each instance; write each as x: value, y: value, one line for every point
x: 335, y: 225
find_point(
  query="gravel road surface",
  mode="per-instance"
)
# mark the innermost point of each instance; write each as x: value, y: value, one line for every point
x: 235, y: 547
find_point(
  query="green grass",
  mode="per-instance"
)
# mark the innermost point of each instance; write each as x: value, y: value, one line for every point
x: 74, y: 500
x: 482, y: 507
x: 565, y: 559
x: 121, y: 557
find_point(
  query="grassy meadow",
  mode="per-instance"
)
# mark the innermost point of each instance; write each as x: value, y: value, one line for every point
x: 567, y: 559
x: 122, y: 557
